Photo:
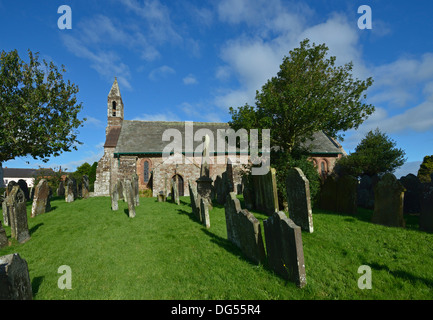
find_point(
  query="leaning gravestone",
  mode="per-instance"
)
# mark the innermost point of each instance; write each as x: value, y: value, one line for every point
x: 388, y: 202
x: 243, y: 229
x: 298, y: 199
x: 195, y: 202
x: 412, y: 195
x: 41, y: 199
x: 14, y: 278
x: 426, y: 215
x: 3, y: 237
x: 265, y: 192
x: 284, y: 248
x: 69, y: 192
x: 175, y: 192
x: 130, y: 198
x: 204, y: 212
x: 120, y: 190
x: 114, y: 197
x: 347, y: 195
x: 18, y: 215
x: 85, y: 187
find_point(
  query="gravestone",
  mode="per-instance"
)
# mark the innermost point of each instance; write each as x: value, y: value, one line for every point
x: 328, y: 194
x: 16, y: 203
x: 130, y: 198
x: 161, y: 196
x: 365, y: 193
x: 175, y: 192
x: 23, y: 185
x: 204, y: 212
x: 414, y: 188
x: 85, y: 187
x: 114, y: 197
x: 195, y: 202
x: 120, y: 189
x: 346, y: 195
x: 247, y: 192
x: 41, y: 199
x: 3, y: 237
x: 388, y: 202
x: 298, y: 199
x: 135, y: 189
x: 9, y: 187
x: 61, y: 189
x: 204, y: 182
x: 69, y: 191
x: 244, y: 230
x: 426, y: 208
x: 125, y: 190
x: 265, y: 194
x: 284, y: 248
x: 5, y: 210
x: 14, y: 278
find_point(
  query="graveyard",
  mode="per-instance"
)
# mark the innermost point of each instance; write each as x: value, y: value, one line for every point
x: 166, y: 252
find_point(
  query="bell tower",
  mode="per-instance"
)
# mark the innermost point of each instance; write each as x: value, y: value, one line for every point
x: 114, y: 107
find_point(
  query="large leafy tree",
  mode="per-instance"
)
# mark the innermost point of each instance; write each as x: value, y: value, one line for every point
x: 375, y: 154
x: 38, y: 109
x: 309, y: 93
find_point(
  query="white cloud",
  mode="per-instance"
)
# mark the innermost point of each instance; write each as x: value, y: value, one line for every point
x: 189, y: 79
x: 161, y: 73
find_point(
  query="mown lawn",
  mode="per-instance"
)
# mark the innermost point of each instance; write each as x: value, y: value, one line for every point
x: 165, y: 253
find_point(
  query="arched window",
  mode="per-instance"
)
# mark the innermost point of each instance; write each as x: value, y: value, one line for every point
x: 114, y: 108
x: 323, y: 168
x: 146, y: 171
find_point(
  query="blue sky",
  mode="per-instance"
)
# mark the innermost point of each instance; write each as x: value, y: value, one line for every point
x: 192, y: 60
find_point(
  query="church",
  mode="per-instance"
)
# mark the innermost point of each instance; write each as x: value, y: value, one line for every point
x: 137, y: 147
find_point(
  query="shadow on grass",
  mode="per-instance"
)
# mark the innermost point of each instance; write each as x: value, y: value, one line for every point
x: 401, y: 274
x: 36, y: 283
x: 35, y: 227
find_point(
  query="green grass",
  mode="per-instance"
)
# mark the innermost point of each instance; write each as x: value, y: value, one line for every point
x: 165, y: 253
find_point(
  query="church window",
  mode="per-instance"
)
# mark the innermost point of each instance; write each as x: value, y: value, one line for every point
x: 114, y: 108
x: 146, y: 171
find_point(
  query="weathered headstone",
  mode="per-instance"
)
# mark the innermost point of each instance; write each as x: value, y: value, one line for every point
x: 9, y: 187
x: 61, y: 189
x: 23, y: 185
x: 130, y: 198
x: 135, y: 189
x: 14, y: 278
x: 284, y: 248
x: 5, y: 210
x: 247, y: 192
x: 346, y: 195
x: 175, y: 192
x: 16, y: 203
x: 69, y: 191
x: 195, y: 202
x: 426, y: 208
x: 41, y: 199
x: 388, y: 202
x: 161, y: 196
x: 265, y: 192
x: 85, y: 189
x: 3, y: 237
x: 412, y: 201
x: 204, y: 212
x: 114, y: 197
x: 243, y: 229
x: 120, y: 190
x: 298, y: 199
x: 204, y: 182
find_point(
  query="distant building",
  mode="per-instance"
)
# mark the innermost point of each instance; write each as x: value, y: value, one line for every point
x: 15, y: 174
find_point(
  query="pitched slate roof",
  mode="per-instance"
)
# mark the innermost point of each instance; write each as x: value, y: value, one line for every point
x: 18, y: 173
x: 112, y: 137
x: 138, y: 137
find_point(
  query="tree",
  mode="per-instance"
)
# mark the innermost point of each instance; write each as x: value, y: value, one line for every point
x: 375, y: 154
x: 426, y: 169
x: 310, y: 93
x: 84, y: 169
x: 38, y: 109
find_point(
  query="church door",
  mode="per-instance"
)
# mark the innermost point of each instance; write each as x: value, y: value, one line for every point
x: 179, y: 184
